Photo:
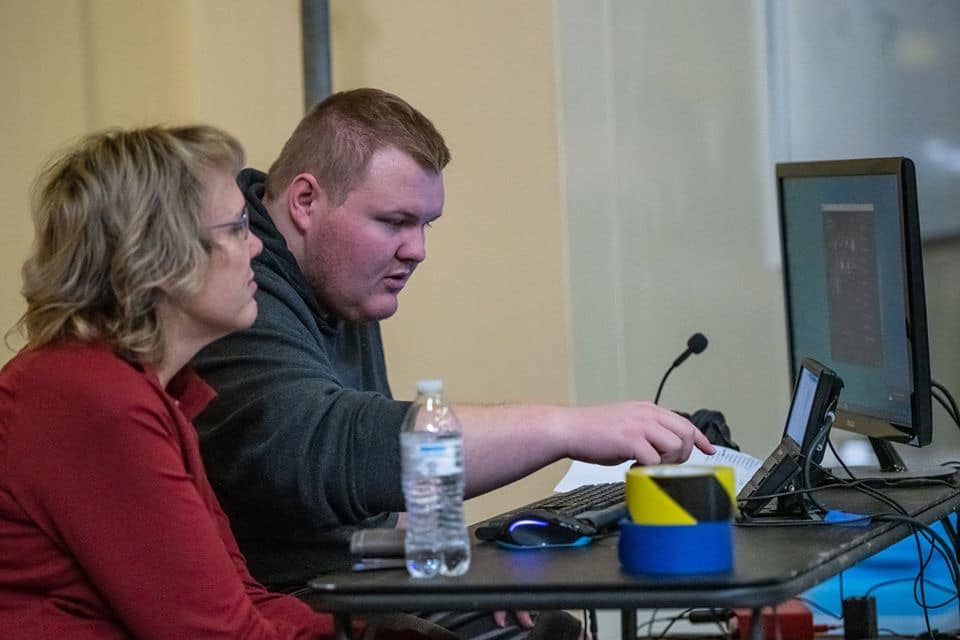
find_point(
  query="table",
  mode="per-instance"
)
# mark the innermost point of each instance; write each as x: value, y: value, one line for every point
x: 771, y: 565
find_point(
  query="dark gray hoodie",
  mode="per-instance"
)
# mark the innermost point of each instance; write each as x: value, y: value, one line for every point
x: 302, y: 443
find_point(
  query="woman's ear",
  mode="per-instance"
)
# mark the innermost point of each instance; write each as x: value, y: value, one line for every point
x: 304, y: 200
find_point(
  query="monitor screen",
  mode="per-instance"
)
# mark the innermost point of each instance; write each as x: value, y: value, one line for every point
x: 853, y: 281
x: 801, y: 406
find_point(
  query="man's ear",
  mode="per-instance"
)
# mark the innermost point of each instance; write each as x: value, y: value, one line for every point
x: 305, y: 199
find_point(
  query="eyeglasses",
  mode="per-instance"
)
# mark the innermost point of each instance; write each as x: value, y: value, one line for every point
x: 239, y: 227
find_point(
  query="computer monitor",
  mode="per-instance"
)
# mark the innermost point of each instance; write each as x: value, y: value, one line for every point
x: 853, y: 281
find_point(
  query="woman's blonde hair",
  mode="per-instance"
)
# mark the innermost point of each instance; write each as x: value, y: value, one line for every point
x: 117, y: 218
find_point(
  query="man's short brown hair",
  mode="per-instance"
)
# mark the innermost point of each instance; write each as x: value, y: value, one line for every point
x: 335, y: 141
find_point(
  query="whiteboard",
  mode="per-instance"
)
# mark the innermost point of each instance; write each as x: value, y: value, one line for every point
x: 871, y: 78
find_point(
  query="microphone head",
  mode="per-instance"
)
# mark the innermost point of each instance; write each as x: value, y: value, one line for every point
x: 697, y: 343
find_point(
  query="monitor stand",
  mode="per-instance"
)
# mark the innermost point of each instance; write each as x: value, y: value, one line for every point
x: 892, y: 468
x: 785, y: 509
x: 789, y: 509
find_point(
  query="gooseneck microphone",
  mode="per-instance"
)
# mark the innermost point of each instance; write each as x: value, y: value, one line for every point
x: 696, y: 344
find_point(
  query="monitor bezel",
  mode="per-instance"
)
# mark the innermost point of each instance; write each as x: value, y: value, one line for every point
x: 920, y: 433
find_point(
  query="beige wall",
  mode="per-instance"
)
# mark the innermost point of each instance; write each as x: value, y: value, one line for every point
x: 73, y: 66
x: 39, y: 111
x: 670, y: 190
x: 487, y: 310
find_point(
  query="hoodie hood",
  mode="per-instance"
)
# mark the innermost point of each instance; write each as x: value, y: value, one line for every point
x: 276, y: 257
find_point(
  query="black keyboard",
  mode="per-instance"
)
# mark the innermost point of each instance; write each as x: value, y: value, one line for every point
x: 597, y: 506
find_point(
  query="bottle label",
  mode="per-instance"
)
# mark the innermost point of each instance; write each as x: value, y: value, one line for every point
x: 439, y: 458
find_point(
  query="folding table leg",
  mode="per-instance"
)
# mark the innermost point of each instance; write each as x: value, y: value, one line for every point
x: 628, y: 624
x: 756, y: 626
x: 341, y: 626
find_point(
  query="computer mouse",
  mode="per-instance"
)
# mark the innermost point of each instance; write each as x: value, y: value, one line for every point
x: 537, y: 529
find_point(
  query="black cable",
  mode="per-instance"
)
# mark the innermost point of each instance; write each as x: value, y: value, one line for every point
x: 900, y: 514
x: 866, y: 489
x: 870, y: 491
x: 813, y: 605
x: 808, y: 490
x: 839, y: 459
x: 680, y: 616
x: 951, y: 533
x: 653, y: 616
x: 824, y: 431
x: 943, y: 403
x: 853, y: 482
x: 795, y: 492
x: 840, y: 592
x: 757, y: 521
x: 949, y: 554
x: 894, y: 634
x: 723, y: 622
x: 924, y: 607
x: 953, y: 403
x: 938, y: 587
x: 920, y: 577
x: 947, y: 406
x: 862, y: 487
x: 927, y: 532
x: 861, y: 484
x: 671, y: 620
x: 922, y: 601
x: 936, y: 539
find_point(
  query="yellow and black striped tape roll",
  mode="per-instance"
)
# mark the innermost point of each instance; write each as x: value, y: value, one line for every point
x: 680, y: 494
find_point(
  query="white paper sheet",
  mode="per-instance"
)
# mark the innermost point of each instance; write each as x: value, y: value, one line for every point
x: 581, y: 473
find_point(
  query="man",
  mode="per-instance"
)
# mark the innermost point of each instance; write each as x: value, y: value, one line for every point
x: 302, y: 444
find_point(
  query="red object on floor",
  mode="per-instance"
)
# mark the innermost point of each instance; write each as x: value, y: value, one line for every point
x: 790, y: 620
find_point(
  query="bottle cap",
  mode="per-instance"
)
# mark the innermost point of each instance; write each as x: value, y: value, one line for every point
x: 431, y: 385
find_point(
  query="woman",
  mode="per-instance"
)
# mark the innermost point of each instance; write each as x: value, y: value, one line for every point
x: 108, y: 526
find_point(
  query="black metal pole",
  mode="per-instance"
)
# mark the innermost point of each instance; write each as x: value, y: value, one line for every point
x: 315, y: 23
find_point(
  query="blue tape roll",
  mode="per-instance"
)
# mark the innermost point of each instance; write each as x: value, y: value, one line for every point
x: 706, y: 547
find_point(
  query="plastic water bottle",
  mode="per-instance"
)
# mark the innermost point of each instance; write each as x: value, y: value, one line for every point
x: 431, y: 445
